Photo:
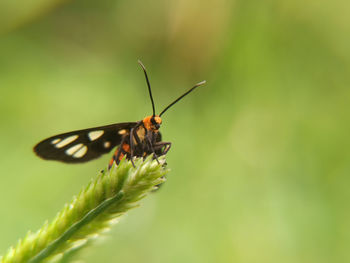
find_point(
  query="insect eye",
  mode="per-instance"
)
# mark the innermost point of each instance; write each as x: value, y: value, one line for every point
x: 153, y: 121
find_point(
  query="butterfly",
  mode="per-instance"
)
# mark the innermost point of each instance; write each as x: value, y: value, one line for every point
x: 134, y: 139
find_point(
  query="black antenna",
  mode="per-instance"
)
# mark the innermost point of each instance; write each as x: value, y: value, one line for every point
x: 171, y: 104
x: 149, y: 86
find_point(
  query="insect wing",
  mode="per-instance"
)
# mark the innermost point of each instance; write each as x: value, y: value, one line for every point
x: 82, y: 145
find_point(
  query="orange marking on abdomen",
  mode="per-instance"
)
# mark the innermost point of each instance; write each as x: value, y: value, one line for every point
x: 113, y: 158
x: 126, y: 147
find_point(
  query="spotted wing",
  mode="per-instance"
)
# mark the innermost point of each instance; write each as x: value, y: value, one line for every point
x: 82, y: 145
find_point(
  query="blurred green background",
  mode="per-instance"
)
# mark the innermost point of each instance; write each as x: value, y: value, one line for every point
x: 260, y: 160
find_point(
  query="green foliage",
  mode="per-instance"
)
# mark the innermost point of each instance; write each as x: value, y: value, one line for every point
x: 96, y: 208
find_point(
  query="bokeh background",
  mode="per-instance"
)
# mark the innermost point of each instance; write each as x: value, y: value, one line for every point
x: 260, y: 160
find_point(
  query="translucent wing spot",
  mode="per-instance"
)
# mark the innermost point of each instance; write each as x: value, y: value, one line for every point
x: 121, y: 132
x: 95, y: 135
x: 74, y: 149
x: 81, y: 152
x: 66, y: 141
x: 56, y: 141
x: 107, y: 144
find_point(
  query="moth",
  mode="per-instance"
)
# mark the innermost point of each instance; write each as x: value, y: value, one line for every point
x: 134, y: 139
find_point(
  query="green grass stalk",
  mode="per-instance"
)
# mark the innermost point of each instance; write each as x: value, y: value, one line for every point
x: 96, y: 208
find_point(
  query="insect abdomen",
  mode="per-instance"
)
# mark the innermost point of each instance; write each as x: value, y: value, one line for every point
x: 119, y: 154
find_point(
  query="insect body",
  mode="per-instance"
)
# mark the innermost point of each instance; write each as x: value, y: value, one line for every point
x: 142, y: 140
x: 134, y: 139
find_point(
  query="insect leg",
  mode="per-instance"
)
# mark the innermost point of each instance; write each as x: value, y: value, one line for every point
x: 132, y: 145
x: 160, y: 145
x: 151, y: 145
x: 133, y: 134
x: 120, y: 150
